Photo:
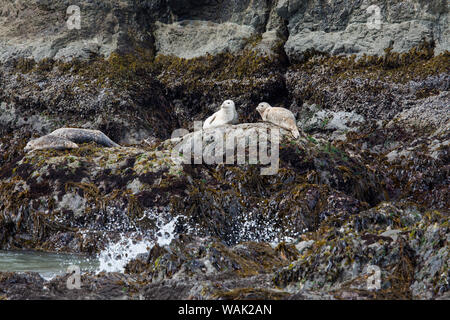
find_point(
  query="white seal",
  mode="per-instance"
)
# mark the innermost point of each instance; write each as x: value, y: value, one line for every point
x: 226, y: 115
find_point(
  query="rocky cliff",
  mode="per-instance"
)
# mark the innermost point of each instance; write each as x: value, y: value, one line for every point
x: 367, y: 184
x: 39, y: 29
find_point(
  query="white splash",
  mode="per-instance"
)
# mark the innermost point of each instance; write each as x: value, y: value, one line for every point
x: 167, y: 233
x: 116, y: 256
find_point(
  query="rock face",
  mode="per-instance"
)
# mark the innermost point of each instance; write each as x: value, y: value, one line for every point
x: 190, y: 39
x: 363, y: 27
x: 50, y: 36
x: 366, y: 186
x: 104, y: 27
x: 48, y: 29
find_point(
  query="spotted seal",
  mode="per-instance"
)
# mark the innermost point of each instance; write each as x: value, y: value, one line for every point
x: 69, y: 138
x: 50, y: 142
x: 279, y: 116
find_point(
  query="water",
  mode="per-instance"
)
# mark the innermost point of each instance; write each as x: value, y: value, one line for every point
x: 48, y: 265
x: 112, y: 259
x: 117, y: 254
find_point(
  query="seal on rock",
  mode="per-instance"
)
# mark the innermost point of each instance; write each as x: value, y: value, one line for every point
x: 67, y: 138
x: 280, y: 116
x: 226, y: 115
x: 50, y: 142
x: 84, y: 136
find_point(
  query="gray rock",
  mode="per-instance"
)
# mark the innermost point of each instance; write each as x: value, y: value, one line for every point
x: 10, y: 117
x: 135, y: 186
x: 392, y: 234
x: 340, y: 27
x: 38, y: 29
x: 268, y: 43
x: 210, y: 139
x: 429, y: 113
x: 330, y: 120
x: 301, y: 246
x: 191, y: 39
x: 232, y: 144
x: 73, y: 202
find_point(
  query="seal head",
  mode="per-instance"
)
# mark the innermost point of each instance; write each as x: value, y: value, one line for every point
x: 262, y: 108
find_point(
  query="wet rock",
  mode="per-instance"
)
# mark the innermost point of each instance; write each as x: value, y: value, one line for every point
x: 20, y: 286
x: 399, y: 260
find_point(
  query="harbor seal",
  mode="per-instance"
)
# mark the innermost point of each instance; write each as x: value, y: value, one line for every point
x: 50, y: 142
x: 280, y: 116
x: 84, y: 136
x: 67, y: 138
x: 226, y: 115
